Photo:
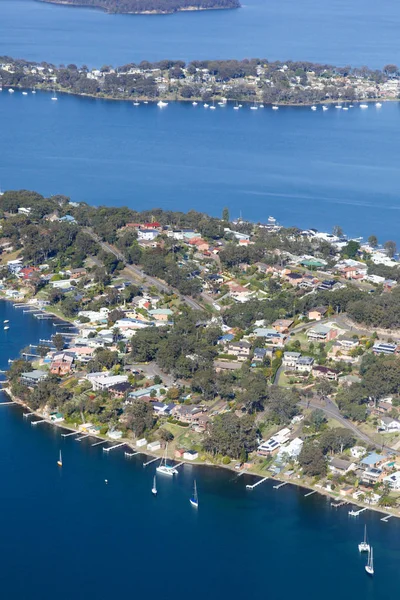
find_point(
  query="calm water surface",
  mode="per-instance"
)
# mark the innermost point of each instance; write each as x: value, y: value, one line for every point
x: 310, y: 169
x: 65, y: 533
x: 340, y: 32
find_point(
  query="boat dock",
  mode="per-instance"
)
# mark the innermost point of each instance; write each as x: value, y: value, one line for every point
x: 37, y: 422
x: 339, y: 504
x: 98, y: 443
x: 386, y: 519
x: 355, y: 513
x: 129, y: 454
x: 152, y: 460
x: 252, y: 486
x: 178, y: 465
x: 276, y: 487
x: 82, y: 438
x: 6, y: 403
x: 113, y: 447
x: 310, y: 493
x: 70, y: 433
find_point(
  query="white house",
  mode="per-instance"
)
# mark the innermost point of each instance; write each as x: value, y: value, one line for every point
x: 291, y: 449
x: 190, y: 455
x: 393, y: 480
x: 103, y: 381
x: 147, y: 234
x: 388, y: 424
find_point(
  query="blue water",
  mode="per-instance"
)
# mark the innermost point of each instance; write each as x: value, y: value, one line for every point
x: 341, y: 32
x: 65, y: 533
x: 310, y: 169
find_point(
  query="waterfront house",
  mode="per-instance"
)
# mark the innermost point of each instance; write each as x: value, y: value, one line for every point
x: 154, y: 446
x: 114, y: 434
x: 393, y: 480
x: 56, y: 417
x: 389, y: 425
x: 290, y: 450
x: 141, y: 443
x: 340, y: 466
x: 33, y: 377
x: 274, y: 443
x: 191, y: 455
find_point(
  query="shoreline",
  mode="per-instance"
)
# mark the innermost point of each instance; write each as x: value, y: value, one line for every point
x: 186, y: 101
x: 299, y: 483
x: 146, y: 12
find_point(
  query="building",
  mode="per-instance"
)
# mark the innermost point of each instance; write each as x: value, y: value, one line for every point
x: 371, y: 476
x: 240, y: 349
x: 104, y: 382
x: 120, y: 390
x: 384, y: 348
x: 322, y: 333
x: 271, y: 336
x: 340, y: 466
x: 259, y: 355
x: 316, y: 314
x: 33, y: 377
x: 291, y: 449
x: 274, y: 443
x: 304, y: 364
x: 190, y: 455
x: 325, y: 373
x: 147, y: 234
x: 161, y: 314
x: 393, y: 480
x: 290, y: 359
x: 282, y: 325
x: 389, y: 425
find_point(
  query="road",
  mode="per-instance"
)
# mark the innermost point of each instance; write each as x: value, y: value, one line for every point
x: 146, y: 280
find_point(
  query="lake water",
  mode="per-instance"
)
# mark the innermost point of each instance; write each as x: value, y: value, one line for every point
x: 310, y: 169
x: 65, y: 533
x: 341, y: 32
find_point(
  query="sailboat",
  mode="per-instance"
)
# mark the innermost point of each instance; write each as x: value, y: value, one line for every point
x: 364, y: 546
x: 6, y: 327
x: 59, y: 462
x: 164, y: 468
x: 194, y: 500
x: 154, y: 488
x: 369, y: 567
x: 6, y: 321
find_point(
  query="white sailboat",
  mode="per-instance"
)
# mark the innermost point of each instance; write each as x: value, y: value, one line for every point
x: 275, y: 107
x: 162, y: 104
x: 154, y: 488
x: 364, y: 546
x: 369, y: 567
x: 194, y: 500
x: 6, y: 327
x: 6, y: 321
x: 165, y: 468
x: 194, y: 103
x: 59, y: 462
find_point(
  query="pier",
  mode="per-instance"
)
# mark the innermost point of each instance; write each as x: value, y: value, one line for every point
x: 252, y: 486
x: 276, y: 487
x: 355, y: 513
x: 37, y: 422
x: 113, y: 447
x: 6, y: 403
x: 310, y: 493
x: 82, y: 438
x: 129, y: 454
x: 151, y: 461
x: 339, y: 504
x: 386, y: 519
x: 70, y: 433
x: 26, y: 415
x: 98, y: 443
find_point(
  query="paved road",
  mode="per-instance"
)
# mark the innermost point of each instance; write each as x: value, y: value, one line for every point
x: 137, y: 273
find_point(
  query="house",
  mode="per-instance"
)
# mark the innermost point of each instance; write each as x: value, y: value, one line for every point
x: 259, y: 355
x: 226, y: 339
x: 372, y: 460
x: 316, y: 314
x: 153, y: 446
x: 240, y: 349
x: 371, y: 476
x: 76, y: 273
x: 357, y: 451
x: 340, y: 466
x: 120, y: 390
x: 393, y: 480
x: 327, y: 284
x: 282, y: 325
x: 294, y: 278
x: 187, y: 414
x: 384, y: 348
x: 389, y: 425
x: 60, y: 367
x: 290, y: 359
x: 271, y: 336
x: 190, y: 455
x: 147, y: 234
x: 304, y: 364
x: 274, y: 443
x: 162, y: 409
x: 152, y: 390
x: 325, y: 373
x: 103, y: 382
x: 348, y: 343
x: 291, y: 449
x: 56, y: 417
x: 33, y: 377
x: 322, y: 333
x: 141, y: 443
x: 161, y: 314
x: 114, y: 434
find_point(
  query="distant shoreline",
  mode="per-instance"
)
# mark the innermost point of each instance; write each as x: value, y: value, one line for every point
x: 235, y: 5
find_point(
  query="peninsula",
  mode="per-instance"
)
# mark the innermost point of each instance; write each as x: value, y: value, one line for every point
x: 148, y: 7
x: 272, y: 350
x: 255, y: 81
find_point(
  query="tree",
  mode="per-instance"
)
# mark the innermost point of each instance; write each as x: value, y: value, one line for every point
x: 336, y: 440
x: 312, y: 459
x: 317, y: 418
x: 390, y: 248
x: 229, y: 435
x: 225, y: 214
x: 351, y: 249
x: 373, y: 241
x: 140, y: 417
x: 338, y: 231
x: 58, y: 341
x: 165, y: 435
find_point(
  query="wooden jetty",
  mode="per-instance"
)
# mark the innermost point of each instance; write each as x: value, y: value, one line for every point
x: 70, y: 433
x: 386, y: 519
x: 252, y: 486
x: 37, y: 422
x: 339, y: 504
x: 355, y: 513
x: 113, y: 447
x: 7, y: 403
x: 151, y: 461
x: 98, y: 443
x: 28, y: 414
x: 276, y: 487
x: 129, y: 454
x: 310, y: 493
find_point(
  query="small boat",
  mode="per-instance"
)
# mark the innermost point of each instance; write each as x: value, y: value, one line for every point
x: 222, y: 104
x: 254, y: 107
x: 240, y: 105
x: 275, y: 107
x: 54, y: 98
x: 24, y: 93
x: 136, y: 103
x: 33, y: 91
x: 369, y: 567
x: 106, y: 481
x: 145, y: 102
x: 6, y: 321
x: 261, y: 106
x: 194, y: 103
x: 235, y: 108
x: 6, y: 327
x: 194, y: 500
x: 378, y: 105
x: 313, y: 108
x: 59, y: 462
x: 345, y: 108
x: 339, y: 106
x: 364, y: 546
x: 206, y: 105
x: 161, y: 104
x: 165, y: 468
x: 212, y: 107
x: 10, y: 91
x: 325, y: 108
x: 363, y: 105
x: 154, y: 488
x: 351, y: 105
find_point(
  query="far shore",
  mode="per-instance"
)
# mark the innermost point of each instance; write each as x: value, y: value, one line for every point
x: 130, y: 444
x: 144, y: 12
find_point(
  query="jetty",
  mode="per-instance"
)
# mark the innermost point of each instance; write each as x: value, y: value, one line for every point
x: 310, y: 493
x: 339, y: 504
x: 355, y: 513
x: 386, y: 519
x: 70, y: 433
x: 37, y: 422
x: 82, y: 438
x: 113, y: 447
x: 28, y: 414
x: 98, y: 443
x: 252, y: 486
x: 129, y: 454
x: 151, y: 461
x: 7, y: 403
x: 276, y: 487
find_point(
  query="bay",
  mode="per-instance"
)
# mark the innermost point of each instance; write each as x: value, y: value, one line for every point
x: 306, y: 168
x: 341, y: 32
x: 65, y: 533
